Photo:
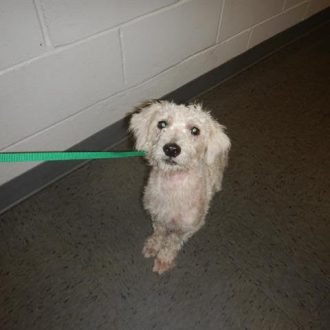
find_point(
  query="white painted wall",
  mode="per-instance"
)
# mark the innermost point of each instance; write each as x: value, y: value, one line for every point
x: 69, y: 68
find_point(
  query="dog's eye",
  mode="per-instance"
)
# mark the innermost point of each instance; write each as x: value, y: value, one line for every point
x: 162, y: 124
x: 195, y: 131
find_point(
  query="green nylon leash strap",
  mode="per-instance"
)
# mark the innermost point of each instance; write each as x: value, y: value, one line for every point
x: 13, y: 157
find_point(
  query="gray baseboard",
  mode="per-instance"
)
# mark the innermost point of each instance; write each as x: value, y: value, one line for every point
x: 39, y: 177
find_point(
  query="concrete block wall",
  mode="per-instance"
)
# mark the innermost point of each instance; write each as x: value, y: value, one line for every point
x: 69, y: 68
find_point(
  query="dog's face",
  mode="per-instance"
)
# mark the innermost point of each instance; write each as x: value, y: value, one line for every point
x: 178, y: 137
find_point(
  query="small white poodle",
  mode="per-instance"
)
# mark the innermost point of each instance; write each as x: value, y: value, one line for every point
x: 188, y: 152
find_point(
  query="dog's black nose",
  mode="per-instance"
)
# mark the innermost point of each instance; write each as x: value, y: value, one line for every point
x: 171, y: 149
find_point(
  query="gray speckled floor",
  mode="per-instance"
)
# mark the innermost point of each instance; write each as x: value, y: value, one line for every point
x: 71, y: 254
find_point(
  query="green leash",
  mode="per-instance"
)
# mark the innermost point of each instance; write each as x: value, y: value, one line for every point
x: 13, y: 157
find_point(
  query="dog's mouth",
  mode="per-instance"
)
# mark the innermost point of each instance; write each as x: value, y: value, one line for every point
x: 170, y: 161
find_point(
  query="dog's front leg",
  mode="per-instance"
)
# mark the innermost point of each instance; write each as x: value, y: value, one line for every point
x: 154, y: 242
x: 171, y: 246
x: 165, y: 259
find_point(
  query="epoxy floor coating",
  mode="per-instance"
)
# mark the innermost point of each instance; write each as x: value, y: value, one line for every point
x: 71, y: 254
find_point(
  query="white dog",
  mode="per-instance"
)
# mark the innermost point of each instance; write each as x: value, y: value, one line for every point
x: 188, y: 152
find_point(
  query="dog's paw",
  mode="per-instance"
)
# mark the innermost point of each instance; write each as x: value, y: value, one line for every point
x: 161, y: 266
x: 149, y: 251
x: 152, y: 246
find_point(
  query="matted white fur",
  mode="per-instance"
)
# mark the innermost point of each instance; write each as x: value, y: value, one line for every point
x: 188, y: 151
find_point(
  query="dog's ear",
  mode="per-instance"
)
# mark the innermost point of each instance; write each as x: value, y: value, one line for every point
x: 218, y: 144
x: 139, y: 124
